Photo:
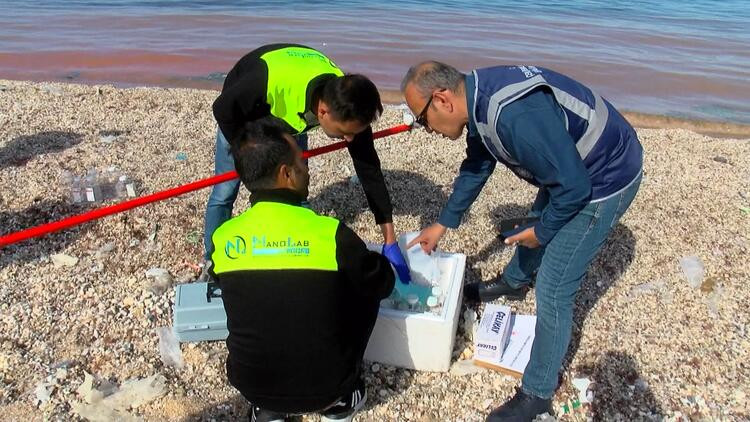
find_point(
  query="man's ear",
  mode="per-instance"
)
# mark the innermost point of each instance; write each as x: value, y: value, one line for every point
x: 443, y: 99
x: 323, y: 108
x: 283, y: 176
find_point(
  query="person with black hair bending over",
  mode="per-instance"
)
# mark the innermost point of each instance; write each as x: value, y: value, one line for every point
x: 301, y: 291
x: 304, y: 89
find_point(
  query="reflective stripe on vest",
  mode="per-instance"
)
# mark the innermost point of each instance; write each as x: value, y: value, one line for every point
x: 276, y: 236
x: 596, y: 117
x: 290, y: 71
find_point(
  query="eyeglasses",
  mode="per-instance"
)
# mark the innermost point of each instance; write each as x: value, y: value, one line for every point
x: 422, y: 117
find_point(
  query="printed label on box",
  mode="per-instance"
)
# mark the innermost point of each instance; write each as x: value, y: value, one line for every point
x: 493, y: 331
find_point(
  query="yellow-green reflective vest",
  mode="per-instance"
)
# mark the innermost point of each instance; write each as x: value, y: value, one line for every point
x: 275, y: 236
x: 290, y: 71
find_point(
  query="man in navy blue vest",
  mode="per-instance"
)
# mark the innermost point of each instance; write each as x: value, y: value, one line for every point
x: 564, y: 139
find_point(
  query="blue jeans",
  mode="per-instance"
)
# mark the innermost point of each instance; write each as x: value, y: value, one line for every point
x: 560, y: 267
x: 223, y: 195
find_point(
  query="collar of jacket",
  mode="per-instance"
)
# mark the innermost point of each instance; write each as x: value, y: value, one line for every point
x: 284, y: 196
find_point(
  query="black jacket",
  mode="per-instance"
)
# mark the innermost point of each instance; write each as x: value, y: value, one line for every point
x: 297, y: 336
x: 243, y: 99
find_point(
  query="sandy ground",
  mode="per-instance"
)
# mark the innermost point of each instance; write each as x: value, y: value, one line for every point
x: 655, y: 351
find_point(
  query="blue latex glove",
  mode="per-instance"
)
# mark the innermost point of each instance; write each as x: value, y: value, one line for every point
x: 393, y: 253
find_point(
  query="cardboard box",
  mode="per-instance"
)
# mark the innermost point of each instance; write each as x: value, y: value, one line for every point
x: 492, y: 334
x: 517, y: 352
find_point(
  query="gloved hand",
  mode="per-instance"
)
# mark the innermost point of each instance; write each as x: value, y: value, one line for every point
x: 393, y: 253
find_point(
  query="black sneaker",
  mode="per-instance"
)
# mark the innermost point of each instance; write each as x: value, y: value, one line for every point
x: 487, y: 292
x: 521, y: 408
x: 262, y: 415
x: 348, y: 405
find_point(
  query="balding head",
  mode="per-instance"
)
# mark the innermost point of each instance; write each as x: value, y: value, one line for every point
x: 431, y: 76
x: 435, y: 94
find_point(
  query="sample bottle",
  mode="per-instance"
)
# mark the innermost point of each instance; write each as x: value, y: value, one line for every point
x: 73, y: 185
x: 91, y: 186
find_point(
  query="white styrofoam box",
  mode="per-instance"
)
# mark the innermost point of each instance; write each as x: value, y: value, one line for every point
x: 422, y: 341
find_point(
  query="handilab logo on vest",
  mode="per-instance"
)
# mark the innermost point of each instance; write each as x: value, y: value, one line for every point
x: 286, y: 246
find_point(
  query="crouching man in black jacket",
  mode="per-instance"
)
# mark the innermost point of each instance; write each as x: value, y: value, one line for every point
x: 301, y: 291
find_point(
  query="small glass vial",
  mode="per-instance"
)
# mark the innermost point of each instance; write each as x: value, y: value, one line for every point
x: 413, y: 301
x: 433, y: 303
x: 437, y: 291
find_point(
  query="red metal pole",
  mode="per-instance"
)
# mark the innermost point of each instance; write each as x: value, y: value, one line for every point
x: 160, y: 196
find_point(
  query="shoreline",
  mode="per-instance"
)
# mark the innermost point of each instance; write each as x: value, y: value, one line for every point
x: 713, y: 128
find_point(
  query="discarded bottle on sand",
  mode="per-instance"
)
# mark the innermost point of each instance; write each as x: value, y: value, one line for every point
x: 125, y: 187
x: 108, y: 182
x: 93, y: 192
x: 73, y: 184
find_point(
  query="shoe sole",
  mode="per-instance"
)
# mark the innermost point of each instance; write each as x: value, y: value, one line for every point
x: 349, y: 417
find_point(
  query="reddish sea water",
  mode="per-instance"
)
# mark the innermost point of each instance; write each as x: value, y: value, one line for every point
x: 664, y: 58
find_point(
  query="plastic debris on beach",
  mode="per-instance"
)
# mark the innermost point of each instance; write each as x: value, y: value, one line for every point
x: 103, y: 406
x: 169, y: 348
x: 97, y: 187
x: 54, y: 90
x: 63, y: 260
x: 162, y: 280
x: 107, y: 139
x: 465, y: 367
x: 693, y: 269
x: 181, y: 156
x: 652, y: 287
x: 42, y: 393
x: 471, y: 323
x: 714, y: 301
x: 582, y: 385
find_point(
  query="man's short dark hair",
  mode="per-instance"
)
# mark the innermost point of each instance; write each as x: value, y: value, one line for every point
x: 259, y: 151
x: 353, y: 98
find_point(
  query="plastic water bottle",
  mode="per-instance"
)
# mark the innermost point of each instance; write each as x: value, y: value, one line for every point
x: 130, y: 188
x: 73, y: 184
x: 76, y: 190
x: 91, y: 186
x: 108, y: 182
x: 120, y: 191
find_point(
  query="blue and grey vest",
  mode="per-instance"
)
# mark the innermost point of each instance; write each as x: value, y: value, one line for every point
x: 608, y: 145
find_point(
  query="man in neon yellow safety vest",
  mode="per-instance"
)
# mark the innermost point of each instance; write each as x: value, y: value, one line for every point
x: 301, y: 291
x: 304, y: 89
